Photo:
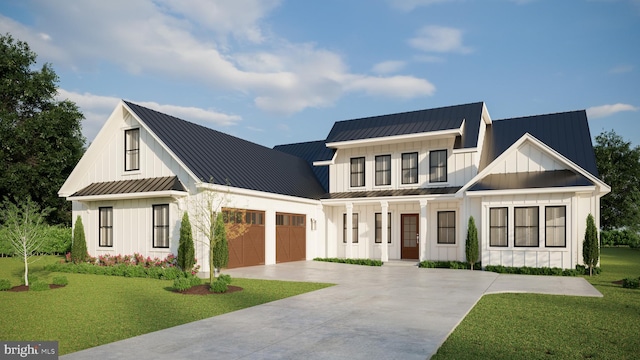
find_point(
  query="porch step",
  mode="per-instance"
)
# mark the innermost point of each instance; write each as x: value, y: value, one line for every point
x: 401, y: 263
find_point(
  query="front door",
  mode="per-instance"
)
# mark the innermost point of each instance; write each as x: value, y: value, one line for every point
x: 410, y: 228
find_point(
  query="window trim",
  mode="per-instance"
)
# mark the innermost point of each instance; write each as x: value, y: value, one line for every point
x: 131, y: 152
x: 165, y: 227
x: 564, y: 225
x: 386, y: 172
x: 438, y: 227
x: 354, y: 228
x: 410, y: 169
x: 361, y: 175
x: 108, y: 227
x: 505, y: 227
x: 432, y: 167
x: 516, y: 227
x: 378, y: 230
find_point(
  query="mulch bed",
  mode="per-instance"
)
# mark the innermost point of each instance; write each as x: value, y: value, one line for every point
x: 204, y: 290
x: 619, y: 282
x: 20, y: 288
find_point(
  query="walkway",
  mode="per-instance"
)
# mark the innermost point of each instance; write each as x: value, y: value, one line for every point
x: 396, y: 311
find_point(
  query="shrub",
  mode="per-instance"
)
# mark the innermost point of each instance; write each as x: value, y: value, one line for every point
x: 431, y: 264
x: 32, y: 278
x: 60, y: 280
x: 55, y: 240
x: 218, y: 286
x: 631, y: 283
x: 471, y: 243
x: 182, y: 284
x: 620, y: 237
x: 38, y: 286
x: 195, y: 281
x: 186, y: 250
x: 590, y: 249
x: 225, y: 278
x: 525, y: 270
x: 220, y: 256
x: 5, y: 284
x: 367, y: 262
x: 79, y: 246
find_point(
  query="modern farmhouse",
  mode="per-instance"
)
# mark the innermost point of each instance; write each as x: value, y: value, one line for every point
x: 399, y: 186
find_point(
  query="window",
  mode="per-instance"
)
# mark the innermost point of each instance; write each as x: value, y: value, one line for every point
x: 498, y: 219
x: 446, y: 227
x: 555, y: 226
x: 379, y: 228
x: 357, y: 172
x: 526, y: 226
x: 105, y: 236
x: 410, y: 168
x: 354, y: 228
x: 132, y: 149
x: 254, y: 218
x: 383, y: 170
x: 438, y: 166
x: 160, y: 226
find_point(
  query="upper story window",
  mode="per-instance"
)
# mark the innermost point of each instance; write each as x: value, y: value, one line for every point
x: 410, y: 168
x: 438, y: 166
x: 357, y: 171
x: 383, y: 170
x: 132, y: 149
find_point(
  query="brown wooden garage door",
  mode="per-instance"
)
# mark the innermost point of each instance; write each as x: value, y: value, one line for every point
x: 246, y: 249
x: 291, y: 237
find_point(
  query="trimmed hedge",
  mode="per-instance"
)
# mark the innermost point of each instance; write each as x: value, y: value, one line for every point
x: 60, y: 280
x: 620, y: 238
x: 57, y: 241
x: 38, y: 286
x: 169, y: 273
x: 429, y: 264
x: 555, y: 271
x: 367, y: 262
x: 631, y: 283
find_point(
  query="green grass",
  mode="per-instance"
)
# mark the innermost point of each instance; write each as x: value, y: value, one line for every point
x: 96, y: 309
x: 532, y: 326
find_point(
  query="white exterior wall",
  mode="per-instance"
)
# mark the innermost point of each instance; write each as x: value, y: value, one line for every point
x: 527, y: 158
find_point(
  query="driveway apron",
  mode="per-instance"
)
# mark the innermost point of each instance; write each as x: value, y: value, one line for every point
x: 396, y: 311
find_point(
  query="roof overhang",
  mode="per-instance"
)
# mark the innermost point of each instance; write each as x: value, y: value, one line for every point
x: 142, y: 195
x: 169, y: 186
x: 390, y: 196
x: 431, y: 135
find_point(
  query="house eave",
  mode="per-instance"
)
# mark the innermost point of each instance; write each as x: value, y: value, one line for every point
x: 129, y: 196
x: 550, y: 190
x: 394, y: 139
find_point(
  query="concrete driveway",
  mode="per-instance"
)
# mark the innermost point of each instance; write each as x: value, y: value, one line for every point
x: 396, y: 311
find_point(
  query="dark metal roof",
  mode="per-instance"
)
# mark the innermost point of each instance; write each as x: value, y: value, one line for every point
x: 531, y: 180
x: 414, y: 122
x: 567, y: 133
x: 312, y: 151
x: 389, y: 193
x: 132, y: 186
x: 219, y: 158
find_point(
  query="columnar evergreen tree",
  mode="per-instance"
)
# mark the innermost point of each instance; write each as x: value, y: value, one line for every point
x: 186, y: 250
x: 590, y: 248
x: 79, y: 246
x: 220, y: 250
x: 471, y: 245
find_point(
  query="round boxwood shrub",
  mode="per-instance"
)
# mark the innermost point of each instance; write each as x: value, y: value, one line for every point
x: 219, y: 286
x: 60, y: 280
x: 38, y: 286
x: 5, y: 284
x: 182, y: 284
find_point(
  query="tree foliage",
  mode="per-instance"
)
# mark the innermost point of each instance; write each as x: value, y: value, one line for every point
x: 25, y: 227
x: 471, y: 244
x: 619, y: 167
x: 40, y: 138
x: 79, y: 251
x: 186, y: 250
x: 220, y: 254
x: 590, y: 248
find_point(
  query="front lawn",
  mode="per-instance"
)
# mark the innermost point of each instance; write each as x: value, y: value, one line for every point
x: 96, y: 309
x: 532, y: 326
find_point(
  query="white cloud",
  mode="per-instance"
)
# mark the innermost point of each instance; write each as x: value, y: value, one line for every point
x: 409, y: 5
x: 608, y: 110
x: 439, y: 39
x: 396, y: 86
x: 387, y: 67
x: 97, y: 108
x: 621, y: 69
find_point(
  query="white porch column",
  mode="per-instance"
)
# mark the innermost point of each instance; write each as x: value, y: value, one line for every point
x: 349, y: 231
x: 423, y: 246
x: 384, y: 246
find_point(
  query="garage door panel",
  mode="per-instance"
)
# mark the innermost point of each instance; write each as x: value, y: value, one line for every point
x: 248, y: 249
x: 290, y: 237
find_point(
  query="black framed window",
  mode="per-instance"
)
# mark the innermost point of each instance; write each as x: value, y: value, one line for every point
x: 161, y: 226
x: 446, y: 227
x: 357, y: 172
x: 383, y: 170
x: 105, y: 225
x: 498, y: 226
x: 354, y: 228
x: 379, y: 228
x: 526, y: 226
x: 556, y: 226
x: 438, y: 166
x: 410, y: 168
x: 132, y: 149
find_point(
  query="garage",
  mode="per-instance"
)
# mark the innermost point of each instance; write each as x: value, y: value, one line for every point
x: 246, y: 249
x: 291, y: 237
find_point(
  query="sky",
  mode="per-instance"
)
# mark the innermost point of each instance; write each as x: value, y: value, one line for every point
x: 276, y: 72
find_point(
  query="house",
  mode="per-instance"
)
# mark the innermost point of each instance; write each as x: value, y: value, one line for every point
x: 399, y: 186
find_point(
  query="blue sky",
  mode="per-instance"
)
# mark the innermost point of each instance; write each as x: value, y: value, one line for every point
x: 276, y: 72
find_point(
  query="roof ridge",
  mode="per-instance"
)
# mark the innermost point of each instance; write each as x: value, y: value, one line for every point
x: 409, y: 112
x: 539, y: 115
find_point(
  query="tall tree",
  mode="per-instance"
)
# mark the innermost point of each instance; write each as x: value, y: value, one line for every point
x: 471, y: 244
x: 619, y: 166
x: 590, y: 248
x: 186, y: 250
x: 40, y: 138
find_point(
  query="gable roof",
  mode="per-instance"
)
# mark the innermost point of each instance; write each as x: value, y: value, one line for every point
x: 219, y: 158
x: 312, y: 151
x: 567, y: 133
x: 413, y: 122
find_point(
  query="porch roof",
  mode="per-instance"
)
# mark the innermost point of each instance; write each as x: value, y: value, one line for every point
x: 531, y: 180
x: 167, y: 183
x: 391, y: 193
